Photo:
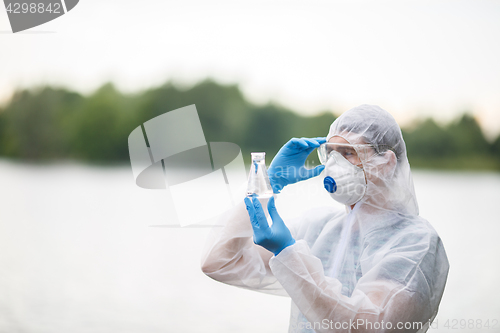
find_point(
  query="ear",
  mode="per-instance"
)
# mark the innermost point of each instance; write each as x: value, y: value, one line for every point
x: 392, y: 161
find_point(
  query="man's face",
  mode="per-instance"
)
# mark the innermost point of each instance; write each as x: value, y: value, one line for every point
x: 344, y: 148
x: 376, y: 167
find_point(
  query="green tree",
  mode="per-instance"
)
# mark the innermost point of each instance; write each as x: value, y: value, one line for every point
x: 495, y: 148
x: 223, y: 110
x: 53, y: 123
x: 467, y: 136
x: 32, y: 123
x: 99, y: 128
x: 268, y: 129
x: 428, y: 140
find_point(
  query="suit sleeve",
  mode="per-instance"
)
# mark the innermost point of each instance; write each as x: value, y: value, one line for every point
x: 377, y: 299
x: 232, y: 257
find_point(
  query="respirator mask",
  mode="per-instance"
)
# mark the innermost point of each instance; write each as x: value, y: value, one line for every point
x: 344, y: 179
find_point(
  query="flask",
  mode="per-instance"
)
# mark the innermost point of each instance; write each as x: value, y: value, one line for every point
x: 259, y: 185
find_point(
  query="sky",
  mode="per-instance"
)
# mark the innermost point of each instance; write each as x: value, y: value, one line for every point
x: 413, y: 58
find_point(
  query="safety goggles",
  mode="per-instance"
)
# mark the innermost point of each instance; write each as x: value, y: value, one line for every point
x: 350, y: 152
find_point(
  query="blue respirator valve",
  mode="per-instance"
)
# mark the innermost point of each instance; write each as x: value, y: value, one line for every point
x: 330, y: 184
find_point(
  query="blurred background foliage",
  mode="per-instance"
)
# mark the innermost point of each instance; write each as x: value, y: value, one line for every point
x: 47, y: 123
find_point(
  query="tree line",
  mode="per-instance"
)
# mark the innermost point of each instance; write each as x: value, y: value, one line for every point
x: 49, y: 123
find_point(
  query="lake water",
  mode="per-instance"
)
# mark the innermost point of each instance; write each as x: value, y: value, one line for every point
x: 78, y: 254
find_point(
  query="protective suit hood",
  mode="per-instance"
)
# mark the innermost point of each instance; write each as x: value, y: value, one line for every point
x: 388, y: 175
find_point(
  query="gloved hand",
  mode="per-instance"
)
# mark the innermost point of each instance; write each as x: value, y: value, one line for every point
x: 288, y: 167
x: 274, y: 238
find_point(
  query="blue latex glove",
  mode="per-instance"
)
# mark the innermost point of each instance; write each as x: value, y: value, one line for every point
x: 288, y: 166
x: 274, y: 238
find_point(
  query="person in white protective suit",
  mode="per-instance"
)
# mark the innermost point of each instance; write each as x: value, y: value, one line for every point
x: 375, y: 266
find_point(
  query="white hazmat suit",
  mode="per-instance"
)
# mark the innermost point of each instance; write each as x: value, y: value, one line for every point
x: 373, y: 267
